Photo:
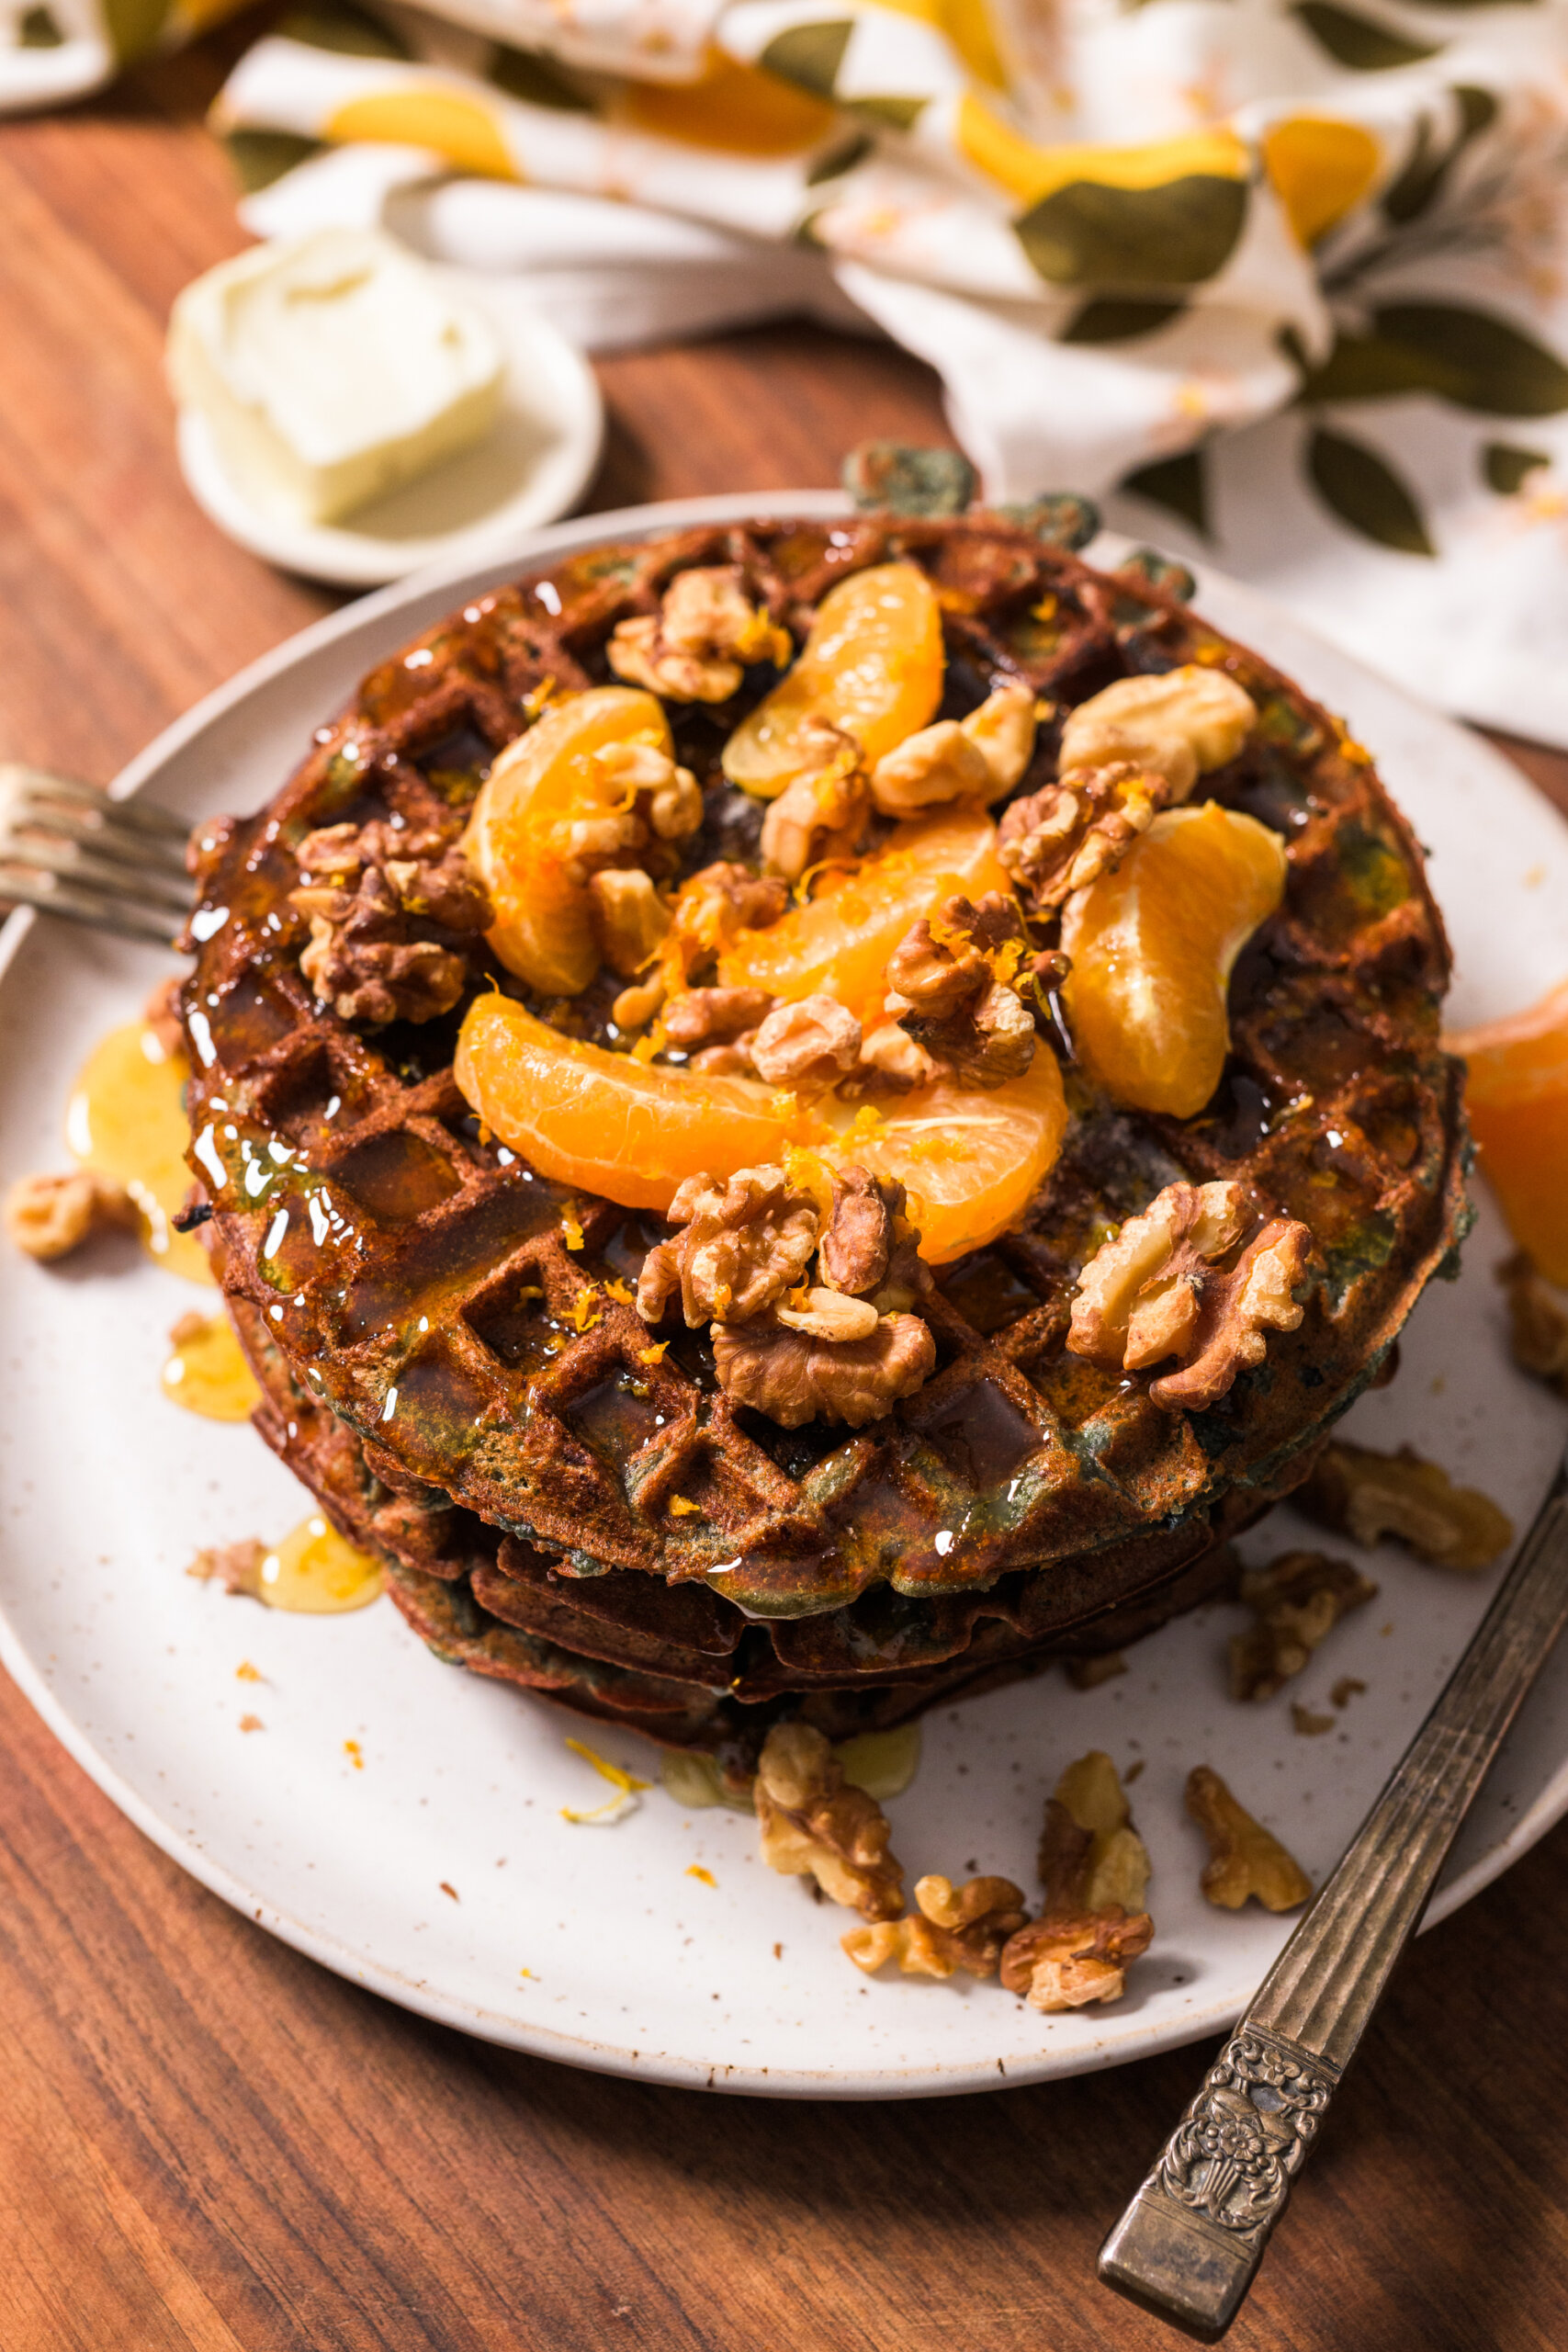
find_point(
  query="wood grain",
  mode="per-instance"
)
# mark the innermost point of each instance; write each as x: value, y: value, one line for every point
x: 209, y: 2144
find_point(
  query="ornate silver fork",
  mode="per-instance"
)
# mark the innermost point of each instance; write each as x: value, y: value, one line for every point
x: 1189, y: 2245
x: 69, y: 849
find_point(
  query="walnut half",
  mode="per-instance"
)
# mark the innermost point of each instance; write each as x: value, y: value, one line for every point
x: 814, y: 1825
x: 845, y: 1347
x: 1245, y: 1859
x: 1366, y: 1496
x: 1200, y: 1276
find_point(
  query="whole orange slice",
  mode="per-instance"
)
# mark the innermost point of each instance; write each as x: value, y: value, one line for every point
x: 1153, y: 946
x: 1517, y: 1094
x: 841, y: 940
x: 517, y: 838
x: 605, y: 1124
x: 872, y: 664
x: 971, y: 1162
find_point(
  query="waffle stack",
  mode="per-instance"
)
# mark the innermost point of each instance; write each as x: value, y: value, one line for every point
x: 410, y: 1294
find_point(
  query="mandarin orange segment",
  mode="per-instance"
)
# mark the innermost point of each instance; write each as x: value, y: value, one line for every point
x: 1153, y: 946
x: 517, y: 838
x: 1517, y: 1094
x: 971, y: 1162
x: 841, y: 940
x: 602, y: 1123
x: 872, y: 664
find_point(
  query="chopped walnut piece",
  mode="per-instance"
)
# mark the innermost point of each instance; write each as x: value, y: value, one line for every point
x: 1309, y: 1724
x: 711, y: 909
x: 1160, y: 1287
x: 821, y: 812
x: 714, y: 1017
x: 1366, y: 1495
x: 1180, y: 722
x: 815, y: 1824
x: 1245, y: 1859
x: 827, y: 1315
x: 792, y: 1378
x: 1088, y: 1673
x: 1096, y: 1870
x: 664, y: 799
x: 1350, y: 1686
x: 811, y: 1042
x: 48, y: 1216
x: 1063, y: 1961
x: 857, y: 1240
x: 1297, y: 1600
x: 630, y: 919
x: 695, y: 650
x: 1538, y: 1334
x: 977, y: 758
x: 892, y: 1060
x: 742, y: 1247
x: 1090, y: 1855
x: 235, y: 1567
x: 939, y: 764
x: 951, y: 1928
x: 953, y: 986
x: 1002, y: 731
x: 370, y: 953
x: 1065, y: 835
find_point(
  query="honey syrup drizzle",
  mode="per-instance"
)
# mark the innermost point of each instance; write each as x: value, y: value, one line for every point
x: 126, y: 1118
x: 205, y: 1371
x: 313, y: 1573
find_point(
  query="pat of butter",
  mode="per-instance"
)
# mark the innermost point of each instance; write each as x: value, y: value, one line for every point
x: 331, y: 368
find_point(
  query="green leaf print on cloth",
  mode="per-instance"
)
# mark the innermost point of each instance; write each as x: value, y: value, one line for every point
x: 1360, y: 43
x: 1088, y: 234
x: 1364, y: 491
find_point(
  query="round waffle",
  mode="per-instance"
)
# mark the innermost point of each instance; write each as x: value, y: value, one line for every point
x: 411, y: 1293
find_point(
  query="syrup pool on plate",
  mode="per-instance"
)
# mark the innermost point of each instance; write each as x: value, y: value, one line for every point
x: 206, y: 1372
x: 126, y: 1118
x: 314, y: 1573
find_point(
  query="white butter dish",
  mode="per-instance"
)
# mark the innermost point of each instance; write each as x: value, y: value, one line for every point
x: 530, y: 461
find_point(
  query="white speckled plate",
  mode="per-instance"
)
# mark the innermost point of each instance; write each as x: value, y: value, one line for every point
x: 442, y: 1873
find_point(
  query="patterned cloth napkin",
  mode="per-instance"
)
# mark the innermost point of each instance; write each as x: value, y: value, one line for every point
x: 1281, y: 280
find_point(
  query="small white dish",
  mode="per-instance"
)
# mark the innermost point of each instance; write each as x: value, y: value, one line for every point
x: 402, y: 1821
x: 533, y: 465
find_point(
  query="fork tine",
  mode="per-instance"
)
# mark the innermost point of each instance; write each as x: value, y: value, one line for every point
x: 35, y: 786
x: 148, y: 852
x: 77, y: 866
x: 133, y: 919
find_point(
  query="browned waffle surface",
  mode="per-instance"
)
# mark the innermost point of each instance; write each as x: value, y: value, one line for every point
x: 466, y: 1320
x: 687, y: 1667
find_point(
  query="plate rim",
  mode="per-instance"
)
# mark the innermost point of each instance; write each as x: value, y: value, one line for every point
x: 471, y: 574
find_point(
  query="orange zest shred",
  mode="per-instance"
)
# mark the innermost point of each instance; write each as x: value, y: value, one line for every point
x: 626, y: 1785
x: 695, y: 1870
x: 586, y: 1311
x: 680, y: 1507
x: 355, y: 1754
x: 655, y: 1354
x: 617, y: 1290
x: 571, y: 1225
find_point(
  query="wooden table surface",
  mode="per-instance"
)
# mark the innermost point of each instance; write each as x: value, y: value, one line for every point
x: 209, y: 2143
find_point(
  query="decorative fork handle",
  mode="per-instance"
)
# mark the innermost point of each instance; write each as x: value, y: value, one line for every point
x: 1189, y: 2244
